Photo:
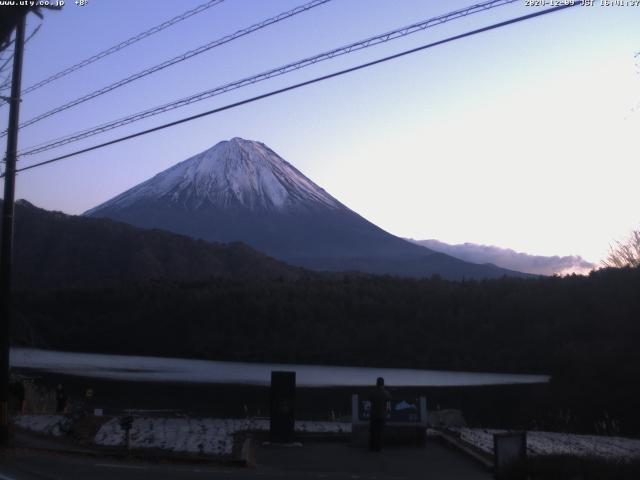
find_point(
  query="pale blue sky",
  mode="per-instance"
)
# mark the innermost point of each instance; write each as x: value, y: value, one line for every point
x: 523, y: 137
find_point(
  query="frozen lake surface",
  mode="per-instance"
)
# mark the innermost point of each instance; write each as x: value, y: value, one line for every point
x: 159, y: 369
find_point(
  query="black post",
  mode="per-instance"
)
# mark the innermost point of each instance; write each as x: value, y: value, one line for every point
x: 283, y: 406
x: 6, y: 248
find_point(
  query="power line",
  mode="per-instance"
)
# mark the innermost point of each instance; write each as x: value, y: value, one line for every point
x: 26, y: 40
x: 302, y: 84
x: 4, y: 84
x: 9, y: 59
x: 7, y: 45
x: 352, y: 47
x: 124, y: 44
x: 175, y: 60
x: 636, y: 58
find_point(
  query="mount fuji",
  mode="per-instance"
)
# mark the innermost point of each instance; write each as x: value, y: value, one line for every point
x: 241, y: 190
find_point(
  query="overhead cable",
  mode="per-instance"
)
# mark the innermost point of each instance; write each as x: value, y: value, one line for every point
x: 174, y: 60
x: 299, y: 85
x: 124, y: 44
x: 305, y: 62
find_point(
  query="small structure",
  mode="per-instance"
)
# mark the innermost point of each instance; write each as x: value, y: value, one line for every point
x: 283, y: 396
x: 510, y: 450
x: 406, y: 422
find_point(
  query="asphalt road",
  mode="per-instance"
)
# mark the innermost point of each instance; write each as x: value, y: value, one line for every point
x: 312, y: 461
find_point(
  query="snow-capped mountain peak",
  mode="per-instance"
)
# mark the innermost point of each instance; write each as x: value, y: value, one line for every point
x: 233, y: 174
x: 241, y: 190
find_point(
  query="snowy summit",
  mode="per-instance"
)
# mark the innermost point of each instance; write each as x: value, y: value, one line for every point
x: 241, y: 190
x: 235, y: 173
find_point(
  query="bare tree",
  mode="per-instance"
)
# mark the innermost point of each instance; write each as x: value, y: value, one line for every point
x: 625, y: 253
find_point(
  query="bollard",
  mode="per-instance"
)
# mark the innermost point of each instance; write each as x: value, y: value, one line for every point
x: 283, y: 396
x: 510, y: 455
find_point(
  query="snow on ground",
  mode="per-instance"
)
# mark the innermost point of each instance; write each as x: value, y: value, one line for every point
x: 55, y: 425
x: 209, y: 436
x: 154, y: 369
x: 549, y: 443
x: 213, y: 436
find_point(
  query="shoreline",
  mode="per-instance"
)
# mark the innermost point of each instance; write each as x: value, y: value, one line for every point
x: 495, y: 405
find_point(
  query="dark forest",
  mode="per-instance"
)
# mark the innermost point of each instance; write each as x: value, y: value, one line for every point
x: 581, y: 330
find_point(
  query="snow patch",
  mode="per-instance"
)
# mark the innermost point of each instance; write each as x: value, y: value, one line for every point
x: 55, y: 425
x: 551, y: 443
x: 209, y: 436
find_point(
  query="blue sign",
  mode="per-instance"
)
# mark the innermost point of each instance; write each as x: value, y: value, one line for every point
x: 397, y: 411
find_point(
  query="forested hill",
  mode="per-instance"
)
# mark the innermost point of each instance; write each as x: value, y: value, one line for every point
x: 584, y: 331
x: 55, y: 250
x: 535, y: 325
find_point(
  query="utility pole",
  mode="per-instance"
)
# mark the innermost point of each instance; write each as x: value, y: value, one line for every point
x: 6, y: 248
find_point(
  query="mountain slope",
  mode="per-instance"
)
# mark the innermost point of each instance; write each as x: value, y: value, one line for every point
x: 54, y: 250
x: 241, y: 190
x: 507, y: 258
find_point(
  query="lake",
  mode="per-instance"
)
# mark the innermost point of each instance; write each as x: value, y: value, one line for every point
x: 159, y: 369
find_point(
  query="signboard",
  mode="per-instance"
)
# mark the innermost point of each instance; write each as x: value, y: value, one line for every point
x: 397, y: 410
x: 406, y: 421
